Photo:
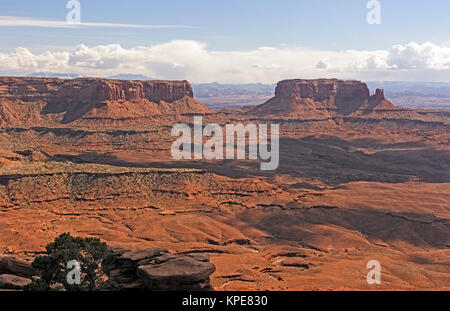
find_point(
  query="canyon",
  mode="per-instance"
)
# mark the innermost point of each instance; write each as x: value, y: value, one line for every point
x: 359, y: 179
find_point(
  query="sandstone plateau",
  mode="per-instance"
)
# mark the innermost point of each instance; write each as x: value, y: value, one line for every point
x: 324, y: 98
x: 90, y: 101
x: 359, y: 179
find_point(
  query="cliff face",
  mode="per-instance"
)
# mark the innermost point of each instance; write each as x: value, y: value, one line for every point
x: 321, y: 89
x: 28, y: 89
x: 35, y: 101
x: 322, y: 98
x: 90, y: 89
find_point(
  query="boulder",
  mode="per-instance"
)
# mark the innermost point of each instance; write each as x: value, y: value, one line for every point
x: 9, y: 281
x: 121, y: 266
x: 11, y: 265
x: 181, y: 273
x: 156, y: 269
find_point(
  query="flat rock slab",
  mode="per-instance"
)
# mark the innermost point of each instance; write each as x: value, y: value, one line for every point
x: 180, y: 271
x: 11, y: 265
x: 9, y: 281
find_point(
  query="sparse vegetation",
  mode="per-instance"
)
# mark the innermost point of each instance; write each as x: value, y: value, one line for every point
x: 53, y: 269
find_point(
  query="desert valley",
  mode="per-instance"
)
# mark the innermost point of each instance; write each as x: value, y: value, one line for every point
x: 359, y: 179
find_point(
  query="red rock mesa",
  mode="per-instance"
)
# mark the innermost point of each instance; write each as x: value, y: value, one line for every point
x: 323, y: 98
x: 41, y: 101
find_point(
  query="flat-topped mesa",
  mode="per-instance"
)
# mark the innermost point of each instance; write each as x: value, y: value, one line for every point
x: 322, y: 98
x: 93, y: 90
x: 115, y: 90
x: 321, y: 89
x: 37, y: 101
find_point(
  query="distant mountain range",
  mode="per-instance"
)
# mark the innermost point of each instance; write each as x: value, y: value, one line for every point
x: 75, y: 75
x: 130, y: 77
x: 55, y: 75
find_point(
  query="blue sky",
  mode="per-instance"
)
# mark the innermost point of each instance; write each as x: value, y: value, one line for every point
x: 238, y: 26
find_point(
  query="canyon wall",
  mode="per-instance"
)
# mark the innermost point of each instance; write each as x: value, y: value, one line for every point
x: 92, y: 89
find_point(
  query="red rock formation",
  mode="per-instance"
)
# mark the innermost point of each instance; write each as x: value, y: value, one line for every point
x: 38, y: 101
x: 379, y: 102
x: 321, y: 89
x: 115, y: 90
x: 28, y: 89
x: 321, y: 98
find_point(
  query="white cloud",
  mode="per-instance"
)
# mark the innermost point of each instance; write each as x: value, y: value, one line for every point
x: 419, y: 56
x: 192, y: 60
x: 16, y: 21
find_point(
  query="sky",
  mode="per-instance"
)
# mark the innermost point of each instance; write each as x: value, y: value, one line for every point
x: 231, y: 41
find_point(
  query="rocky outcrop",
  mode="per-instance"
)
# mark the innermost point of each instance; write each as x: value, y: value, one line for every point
x: 156, y: 269
x: 15, y: 274
x: 11, y: 265
x: 322, y: 98
x: 39, y: 101
x: 100, y: 90
x: 92, y: 90
x: 378, y: 102
x: 9, y: 281
x: 177, y: 273
x: 147, y: 269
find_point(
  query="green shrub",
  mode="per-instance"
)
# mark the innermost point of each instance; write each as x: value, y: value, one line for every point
x: 52, y: 266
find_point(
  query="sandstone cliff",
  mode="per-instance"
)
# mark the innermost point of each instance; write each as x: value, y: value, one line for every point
x: 39, y: 101
x: 323, y: 98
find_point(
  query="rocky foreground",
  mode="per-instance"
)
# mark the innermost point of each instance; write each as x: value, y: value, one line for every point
x: 148, y: 269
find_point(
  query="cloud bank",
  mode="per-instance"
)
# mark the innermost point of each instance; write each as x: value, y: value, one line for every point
x: 193, y: 61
